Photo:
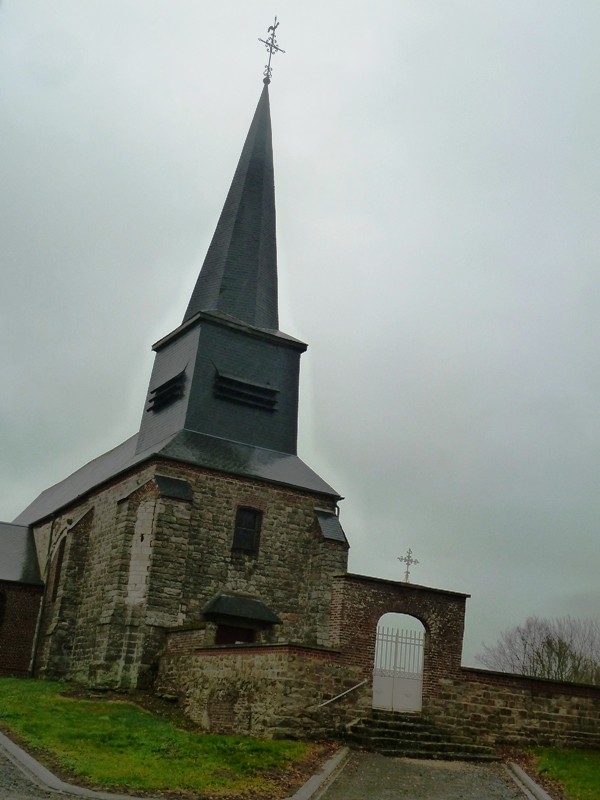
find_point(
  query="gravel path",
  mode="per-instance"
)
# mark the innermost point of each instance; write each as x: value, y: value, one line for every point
x: 15, y: 786
x: 369, y: 776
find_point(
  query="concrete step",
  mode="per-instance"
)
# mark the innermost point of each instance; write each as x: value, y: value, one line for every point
x: 439, y: 749
x: 433, y: 755
x: 412, y: 736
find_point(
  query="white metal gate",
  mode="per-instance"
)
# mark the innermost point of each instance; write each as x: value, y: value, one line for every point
x: 398, y: 670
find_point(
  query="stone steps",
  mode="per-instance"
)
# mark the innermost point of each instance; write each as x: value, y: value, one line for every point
x: 412, y: 736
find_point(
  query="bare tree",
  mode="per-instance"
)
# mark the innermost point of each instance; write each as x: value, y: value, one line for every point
x: 563, y: 649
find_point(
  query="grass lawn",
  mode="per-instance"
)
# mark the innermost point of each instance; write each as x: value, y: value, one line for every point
x: 118, y: 745
x: 577, y: 771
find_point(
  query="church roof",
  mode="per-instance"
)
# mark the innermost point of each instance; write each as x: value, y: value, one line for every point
x: 187, y: 447
x: 239, y: 274
x: 18, y: 563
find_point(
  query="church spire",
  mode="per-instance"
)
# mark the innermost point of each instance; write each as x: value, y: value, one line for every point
x: 239, y: 274
x: 227, y: 371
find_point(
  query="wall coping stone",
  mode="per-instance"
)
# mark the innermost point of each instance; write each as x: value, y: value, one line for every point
x: 352, y: 577
x: 263, y: 648
x: 476, y: 675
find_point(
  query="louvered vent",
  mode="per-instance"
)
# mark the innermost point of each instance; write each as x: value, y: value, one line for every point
x: 249, y: 394
x: 167, y: 393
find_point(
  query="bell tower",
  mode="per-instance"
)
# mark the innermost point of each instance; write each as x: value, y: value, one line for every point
x: 228, y: 371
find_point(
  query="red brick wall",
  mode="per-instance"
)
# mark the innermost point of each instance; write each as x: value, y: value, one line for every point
x: 359, y: 602
x: 17, y: 627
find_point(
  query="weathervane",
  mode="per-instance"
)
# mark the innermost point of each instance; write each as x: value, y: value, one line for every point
x: 408, y: 560
x: 271, y: 44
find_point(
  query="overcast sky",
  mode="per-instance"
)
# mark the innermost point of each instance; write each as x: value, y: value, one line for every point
x: 437, y: 170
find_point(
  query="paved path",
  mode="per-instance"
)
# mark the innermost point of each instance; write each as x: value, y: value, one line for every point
x: 369, y: 776
x: 15, y: 786
x: 24, y: 778
x: 365, y: 776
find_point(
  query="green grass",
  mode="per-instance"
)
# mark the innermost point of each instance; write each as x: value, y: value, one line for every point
x: 578, y: 771
x: 118, y: 745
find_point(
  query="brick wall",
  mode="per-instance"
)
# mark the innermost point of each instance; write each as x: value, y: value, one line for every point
x: 18, y: 619
x: 360, y: 601
x: 217, y: 686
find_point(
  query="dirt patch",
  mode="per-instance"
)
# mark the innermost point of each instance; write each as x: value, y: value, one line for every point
x: 169, y: 709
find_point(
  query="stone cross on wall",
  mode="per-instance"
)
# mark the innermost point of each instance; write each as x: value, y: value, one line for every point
x: 409, y: 561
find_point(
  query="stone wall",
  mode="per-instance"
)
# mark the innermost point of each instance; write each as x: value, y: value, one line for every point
x: 217, y: 686
x: 88, y: 630
x: 19, y: 607
x: 272, y: 690
x: 283, y: 690
x: 291, y: 573
x: 501, y: 710
x: 137, y: 558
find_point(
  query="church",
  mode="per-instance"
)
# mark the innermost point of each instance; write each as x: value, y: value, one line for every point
x: 202, y: 558
x: 207, y: 515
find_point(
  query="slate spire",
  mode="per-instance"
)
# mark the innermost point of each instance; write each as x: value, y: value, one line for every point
x: 227, y: 371
x: 239, y: 274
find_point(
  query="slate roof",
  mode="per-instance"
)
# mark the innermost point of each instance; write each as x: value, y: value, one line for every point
x: 329, y: 524
x: 237, y: 606
x: 188, y: 447
x: 18, y: 559
x: 239, y: 274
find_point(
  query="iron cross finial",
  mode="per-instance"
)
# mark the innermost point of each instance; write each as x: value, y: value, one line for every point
x: 271, y: 44
x: 408, y: 560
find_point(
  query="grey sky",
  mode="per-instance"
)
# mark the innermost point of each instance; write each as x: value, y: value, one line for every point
x: 437, y: 170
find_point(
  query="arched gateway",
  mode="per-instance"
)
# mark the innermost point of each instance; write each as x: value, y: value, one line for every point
x: 398, y: 665
x: 429, y: 650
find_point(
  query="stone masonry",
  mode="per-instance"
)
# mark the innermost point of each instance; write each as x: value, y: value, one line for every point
x: 291, y: 694
x: 131, y: 562
x: 275, y: 690
x: 511, y: 710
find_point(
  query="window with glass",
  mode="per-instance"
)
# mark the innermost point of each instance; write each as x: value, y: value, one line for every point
x: 246, y: 534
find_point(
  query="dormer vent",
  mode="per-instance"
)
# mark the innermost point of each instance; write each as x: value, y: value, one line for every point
x: 237, y: 390
x: 167, y: 393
